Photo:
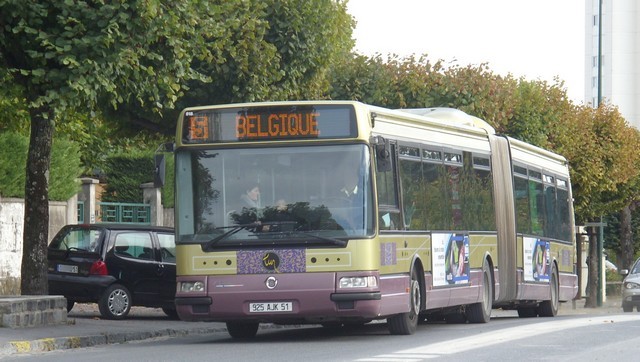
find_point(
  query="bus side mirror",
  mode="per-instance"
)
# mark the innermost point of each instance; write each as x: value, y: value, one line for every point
x: 383, y: 153
x: 160, y: 163
x: 159, y: 170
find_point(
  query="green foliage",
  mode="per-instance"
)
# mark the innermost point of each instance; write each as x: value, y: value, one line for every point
x: 13, y: 158
x: 14, y: 116
x: 65, y: 170
x: 65, y: 167
x: 168, y: 190
x: 602, y: 152
x: 273, y: 50
x: 126, y: 172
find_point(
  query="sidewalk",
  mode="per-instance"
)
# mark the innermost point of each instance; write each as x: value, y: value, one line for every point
x: 85, y: 328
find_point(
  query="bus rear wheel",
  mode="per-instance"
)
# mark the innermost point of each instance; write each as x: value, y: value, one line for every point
x: 406, y: 323
x: 242, y: 330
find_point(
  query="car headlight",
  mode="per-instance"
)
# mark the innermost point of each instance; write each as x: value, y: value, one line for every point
x: 191, y: 287
x: 631, y: 285
x: 359, y: 282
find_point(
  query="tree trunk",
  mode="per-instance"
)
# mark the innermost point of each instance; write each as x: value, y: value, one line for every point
x: 36, y: 205
x: 592, y: 266
x: 626, y: 239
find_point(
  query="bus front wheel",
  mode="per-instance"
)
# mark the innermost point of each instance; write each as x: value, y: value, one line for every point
x: 481, y: 312
x: 549, y: 308
x: 242, y: 330
x: 406, y: 323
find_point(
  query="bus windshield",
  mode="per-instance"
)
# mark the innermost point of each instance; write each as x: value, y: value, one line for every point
x: 274, y: 195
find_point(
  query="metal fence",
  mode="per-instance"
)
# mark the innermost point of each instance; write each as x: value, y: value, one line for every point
x: 125, y: 213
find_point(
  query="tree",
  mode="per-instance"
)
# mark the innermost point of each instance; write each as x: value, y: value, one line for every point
x: 70, y: 55
x: 600, y: 147
x: 269, y: 50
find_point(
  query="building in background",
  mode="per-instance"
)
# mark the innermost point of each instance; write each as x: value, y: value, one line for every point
x: 620, y: 55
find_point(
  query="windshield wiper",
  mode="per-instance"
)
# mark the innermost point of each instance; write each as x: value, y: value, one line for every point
x: 232, y: 230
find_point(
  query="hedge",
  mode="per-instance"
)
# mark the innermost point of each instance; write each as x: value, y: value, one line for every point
x: 63, y: 172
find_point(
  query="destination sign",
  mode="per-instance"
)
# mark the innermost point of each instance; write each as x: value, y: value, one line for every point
x: 269, y: 123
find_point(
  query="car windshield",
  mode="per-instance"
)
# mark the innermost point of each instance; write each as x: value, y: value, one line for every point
x: 274, y: 195
x: 77, y: 238
x: 636, y: 267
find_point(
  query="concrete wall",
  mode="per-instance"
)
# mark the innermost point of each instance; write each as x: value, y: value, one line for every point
x: 60, y: 214
x: 168, y: 219
x: 11, y: 234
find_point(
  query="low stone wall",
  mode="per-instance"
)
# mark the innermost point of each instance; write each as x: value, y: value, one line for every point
x: 168, y: 217
x: 11, y: 237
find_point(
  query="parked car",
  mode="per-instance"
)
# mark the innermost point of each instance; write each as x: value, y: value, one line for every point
x: 631, y: 288
x: 115, y: 265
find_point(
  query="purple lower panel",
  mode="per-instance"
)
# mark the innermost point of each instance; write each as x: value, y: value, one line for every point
x: 309, y: 294
x: 568, y: 286
x: 395, y: 294
x: 467, y: 293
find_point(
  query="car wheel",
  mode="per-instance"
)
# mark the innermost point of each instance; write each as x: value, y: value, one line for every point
x: 115, y: 302
x: 627, y: 308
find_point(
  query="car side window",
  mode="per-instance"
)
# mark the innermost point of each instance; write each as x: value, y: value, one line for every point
x: 134, y: 245
x: 167, y: 247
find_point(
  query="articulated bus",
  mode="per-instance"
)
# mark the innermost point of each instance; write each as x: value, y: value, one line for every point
x: 339, y: 213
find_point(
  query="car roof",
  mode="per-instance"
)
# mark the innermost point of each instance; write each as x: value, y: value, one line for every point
x: 114, y: 226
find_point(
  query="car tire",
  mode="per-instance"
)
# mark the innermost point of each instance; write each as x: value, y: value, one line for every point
x: 627, y: 308
x: 115, y: 302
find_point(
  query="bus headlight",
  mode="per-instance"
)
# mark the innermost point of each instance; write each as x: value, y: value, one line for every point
x: 359, y: 282
x: 191, y: 287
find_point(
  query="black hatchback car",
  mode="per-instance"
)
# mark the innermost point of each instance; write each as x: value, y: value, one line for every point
x: 114, y: 265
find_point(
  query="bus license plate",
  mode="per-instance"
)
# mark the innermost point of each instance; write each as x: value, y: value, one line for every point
x: 68, y: 268
x: 273, y: 307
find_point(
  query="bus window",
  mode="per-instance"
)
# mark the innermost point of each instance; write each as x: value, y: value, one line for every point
x: 563, y: 211
x: 412, y: 187
x: 434, y: 200
x: 551, y: 221
x: 298, y: 191
x: 521, y: 187
x: 536, y: 203
x: 388, y: 196
x: 477, y: 197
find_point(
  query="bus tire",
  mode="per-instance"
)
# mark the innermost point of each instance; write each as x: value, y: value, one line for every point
x: 242, y: 330
x: 549, y: 308
x: 406, y: 323
x: 481, y: 312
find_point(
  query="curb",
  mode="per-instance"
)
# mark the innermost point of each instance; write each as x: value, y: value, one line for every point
x: 62, y: 343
